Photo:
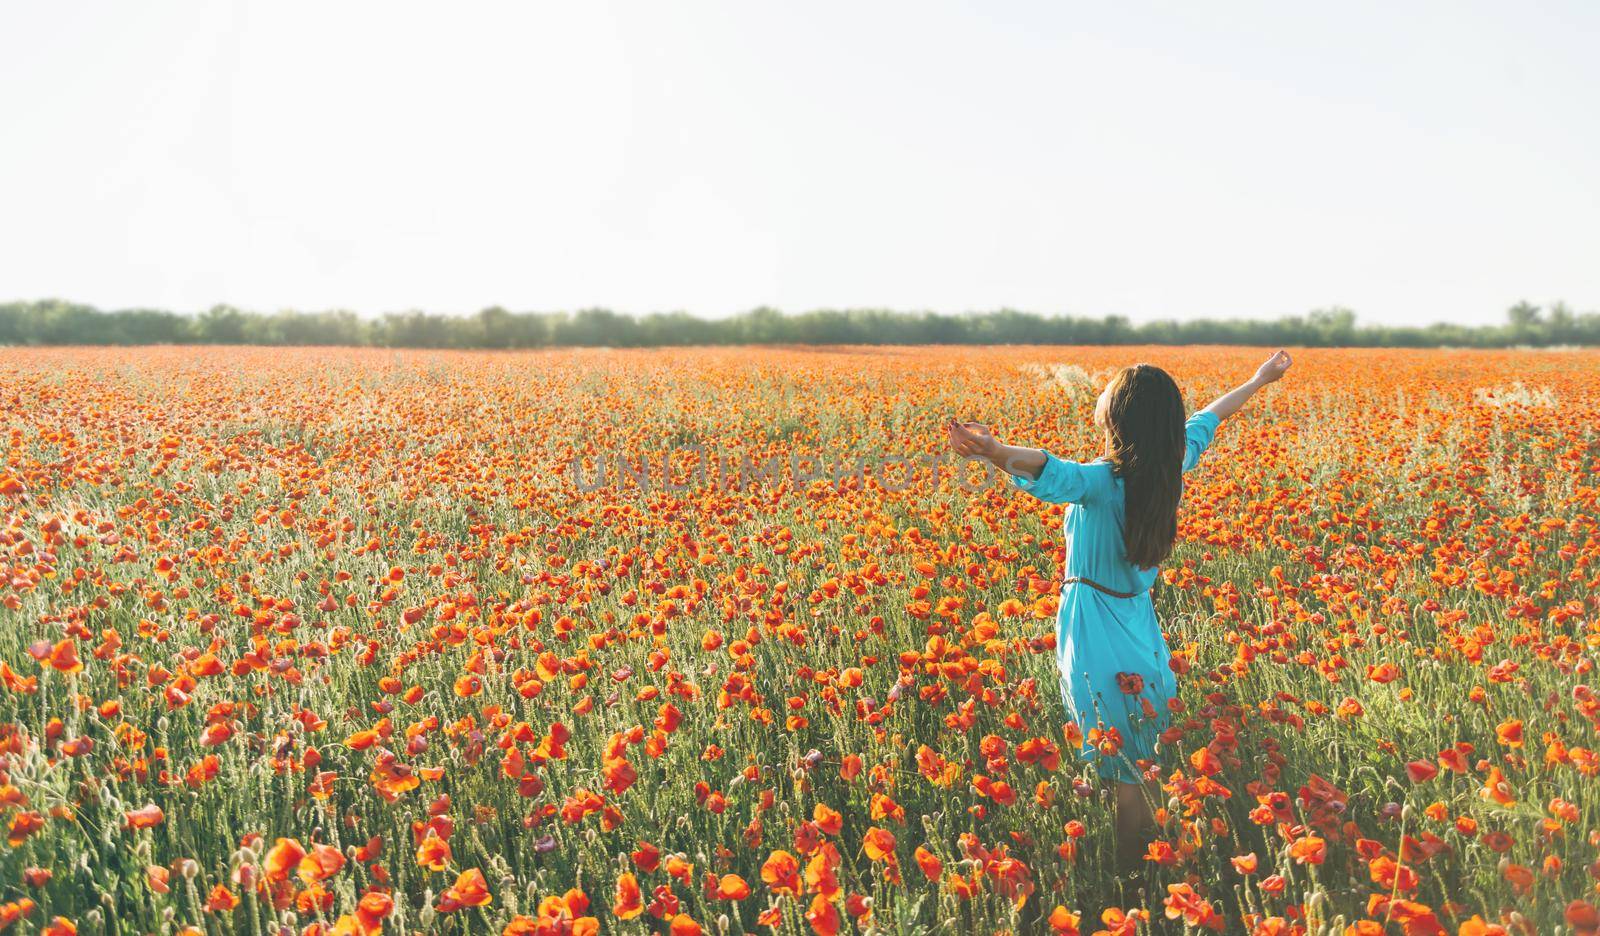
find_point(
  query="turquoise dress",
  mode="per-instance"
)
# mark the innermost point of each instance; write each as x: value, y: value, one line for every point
x: 1109, y: 651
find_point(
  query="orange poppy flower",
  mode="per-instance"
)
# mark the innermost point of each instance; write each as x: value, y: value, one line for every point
x: 221, y: 900
x: 1063, y: 922
x: 781, y: 873
x: 1497, y: 788
x: 823, y: 916
x: 433, y: 853
x: 469, y: 890
x: 145, y: 817
x: 879, y: 844
x: 1309, y: 850
x: 629, y: 901
x: 284, y: 857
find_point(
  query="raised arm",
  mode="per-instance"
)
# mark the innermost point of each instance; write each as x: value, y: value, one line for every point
x: 1229, y: 403
x: 1033, y: 470
x: 974, y: 440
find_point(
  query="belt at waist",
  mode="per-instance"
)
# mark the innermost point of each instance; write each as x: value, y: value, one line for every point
x: 1076, y: 580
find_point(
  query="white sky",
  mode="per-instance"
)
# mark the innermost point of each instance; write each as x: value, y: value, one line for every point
x: 1414, y: 161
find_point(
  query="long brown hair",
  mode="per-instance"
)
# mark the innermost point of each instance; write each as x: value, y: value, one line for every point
x: 1143, y: 419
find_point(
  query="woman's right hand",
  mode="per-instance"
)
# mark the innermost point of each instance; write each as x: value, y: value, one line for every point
x: 1274, y: 368
x: 972, y: 439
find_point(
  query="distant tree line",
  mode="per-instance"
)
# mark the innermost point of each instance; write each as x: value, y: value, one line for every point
x: 54, y: 322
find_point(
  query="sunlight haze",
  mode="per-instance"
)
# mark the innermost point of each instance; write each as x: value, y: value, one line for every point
x: 1416, y: 163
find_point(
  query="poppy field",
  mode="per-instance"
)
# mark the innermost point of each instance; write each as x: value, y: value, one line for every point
x: 711, y: 641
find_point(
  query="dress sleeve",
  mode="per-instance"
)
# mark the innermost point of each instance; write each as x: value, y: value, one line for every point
x: 1059, y: 482
x: 1197, y: 435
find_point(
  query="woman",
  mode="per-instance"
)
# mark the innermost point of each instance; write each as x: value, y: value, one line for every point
x: 1120, y: 525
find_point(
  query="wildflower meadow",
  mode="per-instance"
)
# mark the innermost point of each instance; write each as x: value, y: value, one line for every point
x: 350, y: 640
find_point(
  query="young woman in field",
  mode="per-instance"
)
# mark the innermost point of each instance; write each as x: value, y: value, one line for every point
x: 1120, y: 526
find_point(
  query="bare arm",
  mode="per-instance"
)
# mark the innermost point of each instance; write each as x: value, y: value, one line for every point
x: 1229, y: 403
x: 973, y: 440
